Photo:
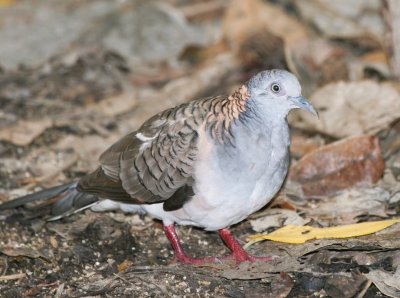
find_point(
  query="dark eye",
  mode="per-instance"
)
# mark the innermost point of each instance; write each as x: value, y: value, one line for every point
x: 275, y: 88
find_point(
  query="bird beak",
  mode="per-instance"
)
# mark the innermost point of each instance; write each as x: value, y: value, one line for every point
x: 302, y: 103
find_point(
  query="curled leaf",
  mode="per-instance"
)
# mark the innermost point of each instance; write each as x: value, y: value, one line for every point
x: 300, y: 234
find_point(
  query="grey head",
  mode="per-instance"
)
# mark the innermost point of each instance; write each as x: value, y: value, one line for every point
x: 276, y: 92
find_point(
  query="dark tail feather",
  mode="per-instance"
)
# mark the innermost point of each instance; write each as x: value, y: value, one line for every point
x: 73, y: 202
x: 37, y: 196
x: 70, y: 201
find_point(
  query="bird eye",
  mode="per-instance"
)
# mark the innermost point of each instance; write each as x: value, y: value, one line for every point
x: 275, y: 88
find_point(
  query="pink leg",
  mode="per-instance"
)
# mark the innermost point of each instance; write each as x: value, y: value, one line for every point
x: 238, y: 253
x: 179, y: 252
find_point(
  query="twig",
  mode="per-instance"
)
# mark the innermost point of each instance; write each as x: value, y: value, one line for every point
x: 13, y: 276
x: 60, y: 290
x: 364, y: 290
x: 5, y: 267
x: 96, y: 127
x: 123, y: 279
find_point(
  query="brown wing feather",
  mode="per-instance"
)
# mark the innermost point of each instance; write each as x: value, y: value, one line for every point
x: 98, y: 183
x: 163, y: 164
x: 152, y: 163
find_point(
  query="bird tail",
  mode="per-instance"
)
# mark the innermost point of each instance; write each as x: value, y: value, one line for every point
x: 64, y: 200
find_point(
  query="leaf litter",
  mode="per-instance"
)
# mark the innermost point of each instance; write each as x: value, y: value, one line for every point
x: 69, y: 101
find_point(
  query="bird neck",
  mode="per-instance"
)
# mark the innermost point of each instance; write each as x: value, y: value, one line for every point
x: 226, y: 112
x: 237, y: 101
x: 238, y: 110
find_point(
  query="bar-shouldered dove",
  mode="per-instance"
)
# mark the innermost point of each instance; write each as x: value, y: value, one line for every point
x: 208, y: 163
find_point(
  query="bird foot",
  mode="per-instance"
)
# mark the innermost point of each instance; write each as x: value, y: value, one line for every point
x: 238, y: 253
x: 180, y: 255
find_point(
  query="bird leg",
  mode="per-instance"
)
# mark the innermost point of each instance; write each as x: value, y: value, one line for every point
x: 180, y: 254
x: 238, y: 253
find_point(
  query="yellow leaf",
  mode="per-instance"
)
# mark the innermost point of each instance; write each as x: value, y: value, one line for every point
x: 300, y: 234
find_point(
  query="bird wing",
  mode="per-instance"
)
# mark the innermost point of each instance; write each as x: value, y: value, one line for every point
x: 152, y: 163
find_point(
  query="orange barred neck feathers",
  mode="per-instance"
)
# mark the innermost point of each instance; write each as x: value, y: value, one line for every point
x: 224, y: 112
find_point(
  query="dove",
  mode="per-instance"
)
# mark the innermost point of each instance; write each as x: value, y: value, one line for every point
x: 208, y: 163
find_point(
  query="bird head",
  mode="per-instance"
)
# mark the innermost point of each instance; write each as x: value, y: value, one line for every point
x: 277, y: 92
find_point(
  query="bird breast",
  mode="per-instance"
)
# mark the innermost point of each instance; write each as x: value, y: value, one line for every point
x: 233, y: 181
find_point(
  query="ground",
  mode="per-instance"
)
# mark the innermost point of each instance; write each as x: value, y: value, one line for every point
x: 76, y: 76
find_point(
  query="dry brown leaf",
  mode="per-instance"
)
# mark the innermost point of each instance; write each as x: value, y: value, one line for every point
x: 245, y: 18
x: 317, y: 61
x: 124, y: 265
x: 347, y: 206
x: 280, y: 284
x: 301, y: 145
x: 257, y: 270
x: 374, y: 62
x: 100, y: 284
x: 117, y: 105
x: 345, y: 18
x: 7, y: 2
x: 22, y: 251
x: 68, y: 231
x: 276, y: 218
x: 24, y: 132
x: 353, y: 108
x: 164, y: 33
x: 344, y: 286
x: 379, y: 57
x: 53, y: 241
x: 40, y: 166
x: 88, y: 148
x: 338, y: 166
x: 386, y: 282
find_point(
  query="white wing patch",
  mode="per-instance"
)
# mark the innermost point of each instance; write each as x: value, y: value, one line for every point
x: 146, y: 140
x: 143, y: 138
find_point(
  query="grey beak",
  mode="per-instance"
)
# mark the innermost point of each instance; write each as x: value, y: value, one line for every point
x: 302, y: 103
